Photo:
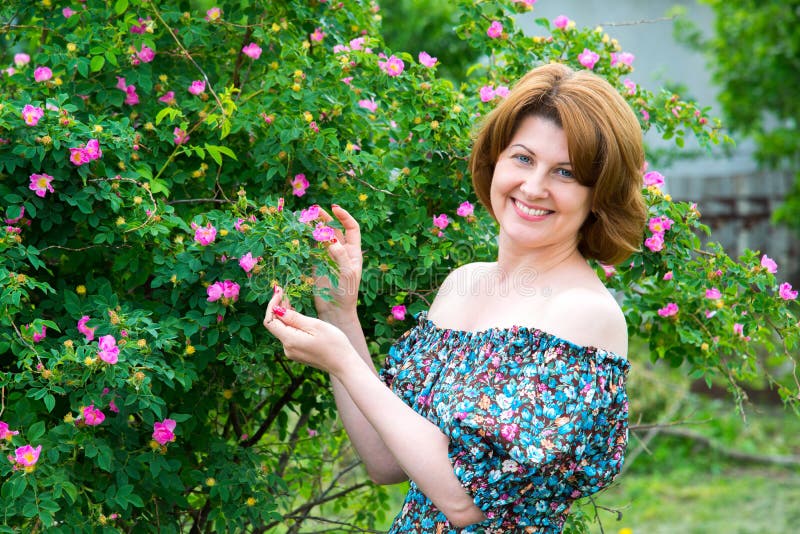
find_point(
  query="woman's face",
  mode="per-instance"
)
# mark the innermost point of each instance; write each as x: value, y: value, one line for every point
x: 535, y: 197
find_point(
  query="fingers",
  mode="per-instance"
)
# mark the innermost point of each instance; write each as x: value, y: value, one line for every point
x: 280, y: 317
x: 352, y: 231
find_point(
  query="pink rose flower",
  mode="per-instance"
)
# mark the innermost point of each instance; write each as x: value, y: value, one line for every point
x: 561, y: 22
x: 5, y: 433
x: 501, y: 91
x: 21, y: 59
x: 630, y: 86
x: 32, y: 114
x: 247, y: 262
x: 669, y: 310
x: 486, y: 93
x: 713, y: 293
x: 655, y: 242
x: 41, y: 184
x: 38, y: 336
x: 427, y: 60
x: 109, y: 352
x: 93, y: 150
x: 179, y: 136
x: 323, y: 233
x: 213, y: 14
x: 230, y: 290
x: 85, y: 330
x: 622, y: 59
x: 67, y: 12
x: 168, y: 98
x: 786, y: 293
x: 769, y: 264
x: 317, y: 36
x: 653, y: 178
x: 465, y: 209
x: 399, y: 312
x: 667, y: 276
x: 42, y: 74
x: 369, y: 105
x: 26, y: 455
x: 495, y: 29
x: 205, y: 235
x: 252, y: 50
x: 588, y: 59
x: 214, y: 292
x: 299, y: 185
x: 659, y: 224
x: 146, y: 54
x: 441, y: 221
x: 309, y: 214
x: 92, y: 416
x: 393, y: 66
x: 131, y: 98
x: 197, y: 87
x: 163, y: 431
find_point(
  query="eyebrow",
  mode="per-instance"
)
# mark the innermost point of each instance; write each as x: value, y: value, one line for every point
x: 563, y: 163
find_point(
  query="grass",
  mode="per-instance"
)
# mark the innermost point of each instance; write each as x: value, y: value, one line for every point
x: 691, y: 501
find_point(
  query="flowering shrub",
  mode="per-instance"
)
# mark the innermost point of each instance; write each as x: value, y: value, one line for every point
x: 161, y: 170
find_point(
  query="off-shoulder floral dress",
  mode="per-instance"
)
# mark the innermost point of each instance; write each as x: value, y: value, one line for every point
x: 534, y: 421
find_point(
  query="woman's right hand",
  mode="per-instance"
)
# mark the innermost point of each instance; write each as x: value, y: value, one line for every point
x: 340, y: 302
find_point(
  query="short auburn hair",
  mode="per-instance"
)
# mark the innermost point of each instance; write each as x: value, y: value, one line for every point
x: 604, y: 140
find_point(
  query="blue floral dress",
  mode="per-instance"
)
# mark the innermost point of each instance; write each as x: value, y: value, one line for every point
x: 534, y: 421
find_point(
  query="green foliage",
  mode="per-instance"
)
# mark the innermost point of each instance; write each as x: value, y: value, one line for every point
x: 124, y: 238
x: 432, y: 31
x: 752, y: 54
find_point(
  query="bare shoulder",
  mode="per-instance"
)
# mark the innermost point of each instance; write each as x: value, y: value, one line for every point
x: 458, y: 286
x: 590, y: 317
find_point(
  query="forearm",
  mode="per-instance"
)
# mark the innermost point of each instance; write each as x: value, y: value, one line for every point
x: 419, y: 446
x: 380, y: 462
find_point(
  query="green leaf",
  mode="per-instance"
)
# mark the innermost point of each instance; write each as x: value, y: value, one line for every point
x: 35, y: 432
x: 97, y: 63
x: 120, y: 6
x: 49, y: 402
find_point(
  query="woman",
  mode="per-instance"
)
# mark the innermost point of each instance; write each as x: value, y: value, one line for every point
x: 506, y: 402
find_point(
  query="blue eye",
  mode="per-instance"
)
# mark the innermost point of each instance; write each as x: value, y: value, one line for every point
x: 522, y: 158
x: 565, y: 173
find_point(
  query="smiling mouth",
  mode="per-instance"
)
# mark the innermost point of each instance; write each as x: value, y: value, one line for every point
x: 531, y: 211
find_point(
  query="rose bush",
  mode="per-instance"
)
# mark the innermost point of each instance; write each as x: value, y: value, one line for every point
x: 159, y: 172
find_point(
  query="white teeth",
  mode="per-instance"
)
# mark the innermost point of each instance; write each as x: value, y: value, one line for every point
x: 528, y: 211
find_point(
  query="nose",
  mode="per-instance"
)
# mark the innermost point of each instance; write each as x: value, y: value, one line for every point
x: 534, y: 184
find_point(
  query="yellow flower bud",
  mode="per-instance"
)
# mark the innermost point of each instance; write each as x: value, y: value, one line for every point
x: 68, y: 418
x: 362, y: 197
x: 250, y: 501
x: 189, y: 350
x: 80, y: 290
x: 137, y: 200
x: 120, y: 221
x: 71, y: 47
x: 227, y: 394
x: 210, y: 482
x: 434, y: 125
x: 69, y: 344
x: 223, y: 232
x: 275, y: 27
x: 88, y: 361
x: 141, y: 343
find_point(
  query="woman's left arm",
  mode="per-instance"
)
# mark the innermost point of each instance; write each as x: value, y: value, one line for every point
x: 419, y: 446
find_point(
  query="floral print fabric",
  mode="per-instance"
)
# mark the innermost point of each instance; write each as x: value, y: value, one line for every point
x: 534, y: 421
